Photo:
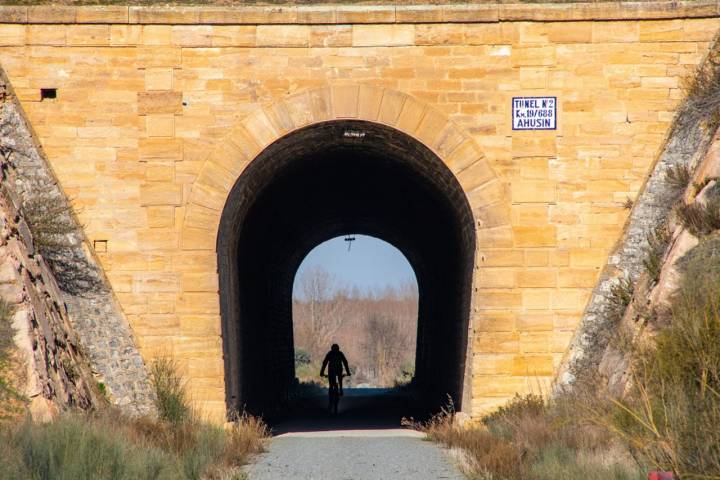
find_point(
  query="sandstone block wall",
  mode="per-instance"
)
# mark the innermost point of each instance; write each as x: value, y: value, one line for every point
x: 159, y: 110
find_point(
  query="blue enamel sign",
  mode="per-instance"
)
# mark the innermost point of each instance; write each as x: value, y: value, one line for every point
x: 534, y: 113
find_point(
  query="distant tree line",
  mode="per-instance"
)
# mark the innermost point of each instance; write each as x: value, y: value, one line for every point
x: 376, y: 328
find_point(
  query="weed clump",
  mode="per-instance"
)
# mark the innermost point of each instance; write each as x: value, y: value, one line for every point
x: 621, y: 293
x: 700, y: 219
x: 678, y: 177
x: 702, y: 102
x: 655, y: 251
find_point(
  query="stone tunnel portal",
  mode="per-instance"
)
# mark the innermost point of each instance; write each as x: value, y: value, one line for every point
x: 323, y: 181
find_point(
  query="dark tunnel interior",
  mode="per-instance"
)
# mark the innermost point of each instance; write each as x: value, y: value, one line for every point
x: 323, y: 181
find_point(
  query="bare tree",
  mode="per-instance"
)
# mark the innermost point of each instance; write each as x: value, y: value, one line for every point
x: 384, y: 347
x: 325, y: 304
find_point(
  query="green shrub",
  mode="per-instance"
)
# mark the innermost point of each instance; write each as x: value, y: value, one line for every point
x: 170, y: 391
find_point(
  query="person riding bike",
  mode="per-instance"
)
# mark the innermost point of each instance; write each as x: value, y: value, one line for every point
x: 335, y: 360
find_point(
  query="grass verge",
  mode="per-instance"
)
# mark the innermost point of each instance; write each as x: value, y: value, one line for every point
x: 177, y: 444
x: 531, y: 438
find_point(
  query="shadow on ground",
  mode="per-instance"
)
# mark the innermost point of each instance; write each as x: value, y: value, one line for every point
x: 359, y: 409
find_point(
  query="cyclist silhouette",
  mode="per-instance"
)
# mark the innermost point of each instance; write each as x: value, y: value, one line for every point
x: 335, y: 360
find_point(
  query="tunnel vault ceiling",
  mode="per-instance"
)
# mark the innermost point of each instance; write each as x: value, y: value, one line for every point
x: 319, y: 182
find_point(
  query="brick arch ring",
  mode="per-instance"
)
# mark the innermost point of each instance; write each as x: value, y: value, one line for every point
x: 486, y: 194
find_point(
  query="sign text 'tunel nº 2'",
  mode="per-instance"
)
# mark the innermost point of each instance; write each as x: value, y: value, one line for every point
x: 534, y: 113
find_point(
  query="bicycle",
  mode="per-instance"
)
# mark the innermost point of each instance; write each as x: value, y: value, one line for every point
x: 334, y: 392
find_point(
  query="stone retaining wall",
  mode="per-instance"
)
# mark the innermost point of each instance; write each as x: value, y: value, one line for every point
x: 46, y: 310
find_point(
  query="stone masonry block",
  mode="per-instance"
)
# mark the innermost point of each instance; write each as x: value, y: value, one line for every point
x: 383, y: 35
x: 199, y: 282
x: 533, y: 236
x: 369, y: 100
x: 495, y: 321
x: 42, y: 35
x: 230, y: 157
x: 300, y: 108
x: 158, y: 79
x: 345, y: 101
x: 161, y: 194
x: 156, y: 34
x: 102, y: 14
x: 475, y: 175
x: 198, y: 216
x: 159, y: 56
x: 324, y: 14
x: 353, y: 14
x: 199, y: 325
x: 464, y: 155
x: 432, y: 125
x: 534, y: 191
x: 260, y: 127
x: 530, y: 322
x: 160, y: 125
x: 410, y: 116
x: 51, y: 14
x: 90, y: 35
x: 283, y: 36
x: 163, y: 15
x: 418, y: 13
x: 12, y: 35
x: 161, y: 149
x: 533, y: 365
x: 13, y: 14
x: 159, y: 102
x: 391, y: 106
x: 192, y: 35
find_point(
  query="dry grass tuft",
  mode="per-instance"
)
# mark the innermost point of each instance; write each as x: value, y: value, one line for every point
x: 702, y: 102
x: 700, y: 219
x: 658, y: 242
x: 678, y: 177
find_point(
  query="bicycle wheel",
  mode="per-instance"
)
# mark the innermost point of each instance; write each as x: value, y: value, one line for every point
x: 334, y: 399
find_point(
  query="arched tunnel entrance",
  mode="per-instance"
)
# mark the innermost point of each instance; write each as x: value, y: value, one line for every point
x: 319, y: 182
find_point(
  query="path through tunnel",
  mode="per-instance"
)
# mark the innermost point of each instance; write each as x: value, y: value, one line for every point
x: 320, y: 182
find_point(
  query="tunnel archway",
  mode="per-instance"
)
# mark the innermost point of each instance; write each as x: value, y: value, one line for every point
x: 322, y: 181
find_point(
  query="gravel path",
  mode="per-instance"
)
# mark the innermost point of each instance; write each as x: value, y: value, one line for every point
x: 363, y: 442
x: 349, y: 457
